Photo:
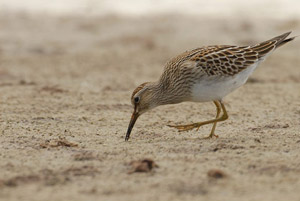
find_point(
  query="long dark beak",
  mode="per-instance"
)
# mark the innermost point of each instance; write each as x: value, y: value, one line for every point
x: 131, y: 124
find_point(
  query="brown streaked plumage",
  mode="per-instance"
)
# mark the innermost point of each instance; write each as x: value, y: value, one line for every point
x: 200, y: 75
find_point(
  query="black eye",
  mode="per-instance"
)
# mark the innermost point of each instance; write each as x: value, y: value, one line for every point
x: 137, y: 99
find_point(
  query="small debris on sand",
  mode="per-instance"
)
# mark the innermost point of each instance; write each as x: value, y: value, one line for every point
x: 216, y: 174
x: 57, y: 143
x: 145, y: 165
x: 52, y: 89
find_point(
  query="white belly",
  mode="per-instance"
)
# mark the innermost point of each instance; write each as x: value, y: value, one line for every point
x: 215, y: 87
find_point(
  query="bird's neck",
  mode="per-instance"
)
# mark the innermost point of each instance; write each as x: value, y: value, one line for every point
x: 163, y: 95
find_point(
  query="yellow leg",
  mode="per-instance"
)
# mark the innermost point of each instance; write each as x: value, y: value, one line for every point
x: 219, y: 106
x: 212, y: 132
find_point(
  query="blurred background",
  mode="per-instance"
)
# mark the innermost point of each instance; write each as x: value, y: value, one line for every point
x: 275, y: 9
x: 118, y: 35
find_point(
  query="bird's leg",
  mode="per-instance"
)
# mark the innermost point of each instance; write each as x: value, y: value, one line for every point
x: 212, y: 132
x: 197, y: 125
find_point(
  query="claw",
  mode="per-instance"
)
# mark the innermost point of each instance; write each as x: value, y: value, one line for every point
x: 198, y: 127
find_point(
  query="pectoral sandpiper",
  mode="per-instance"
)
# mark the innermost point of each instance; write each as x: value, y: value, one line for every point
x: 201, y: 75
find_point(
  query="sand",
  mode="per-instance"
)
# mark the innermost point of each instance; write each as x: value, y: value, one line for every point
x: 65, y: 87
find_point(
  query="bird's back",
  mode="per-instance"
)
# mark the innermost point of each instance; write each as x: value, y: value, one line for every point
x: 221, y: 62
x: 226, y: 60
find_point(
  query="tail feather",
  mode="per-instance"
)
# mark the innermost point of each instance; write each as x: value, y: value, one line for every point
x: 282, y: 39
x: 267, y: 46
x: 285, y: 41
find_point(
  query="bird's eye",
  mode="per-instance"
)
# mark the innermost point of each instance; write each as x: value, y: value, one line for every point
x: 137, y: 99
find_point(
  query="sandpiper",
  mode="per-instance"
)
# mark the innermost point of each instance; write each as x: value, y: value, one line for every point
x: 200, y: 75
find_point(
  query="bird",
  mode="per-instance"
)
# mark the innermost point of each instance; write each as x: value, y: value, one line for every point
x: 203, y: 74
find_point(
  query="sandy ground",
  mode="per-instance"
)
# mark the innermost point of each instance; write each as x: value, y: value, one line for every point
x: 65, y: 87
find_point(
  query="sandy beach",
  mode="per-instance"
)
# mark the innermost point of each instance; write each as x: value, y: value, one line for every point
x: 65, y: 87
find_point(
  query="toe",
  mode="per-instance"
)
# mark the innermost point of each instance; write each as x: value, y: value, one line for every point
x: 182, y: 127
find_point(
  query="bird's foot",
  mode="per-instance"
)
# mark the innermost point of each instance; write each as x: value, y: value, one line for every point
x: 186, y: 127
x: 211, y: 136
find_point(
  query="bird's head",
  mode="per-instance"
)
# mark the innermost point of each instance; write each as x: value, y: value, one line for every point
x: 143, y: 99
